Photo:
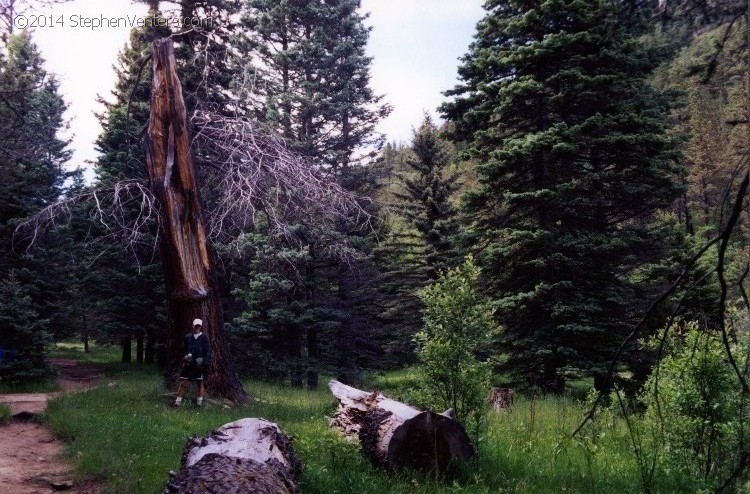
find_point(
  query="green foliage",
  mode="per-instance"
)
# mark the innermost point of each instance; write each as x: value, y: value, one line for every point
x: 24, y: 336
x: 311, y: 85
x: 694, y: 412
x: 5, y: 414
x: 128, y: 436
x: 458, y: 324
x: 311, y: 76
x: 419, y: 240
x: 575, y: 160
x: 33, y: 158
x: 124, y: 285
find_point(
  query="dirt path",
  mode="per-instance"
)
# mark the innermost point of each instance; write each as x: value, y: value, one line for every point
x: 30, y: 460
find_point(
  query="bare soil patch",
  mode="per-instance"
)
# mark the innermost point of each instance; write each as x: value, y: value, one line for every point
x: 30, y: 461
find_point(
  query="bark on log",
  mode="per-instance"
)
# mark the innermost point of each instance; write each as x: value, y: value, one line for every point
x: 249, y: 455
x: 393, y: 433
x: 189, y: 274
x: 501, y: 399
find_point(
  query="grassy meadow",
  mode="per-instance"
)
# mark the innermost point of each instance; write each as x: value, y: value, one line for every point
x: 125, y: 433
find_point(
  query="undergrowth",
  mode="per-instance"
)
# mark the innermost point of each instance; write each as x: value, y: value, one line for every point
x: 125, y: 433
x: 5, y: 414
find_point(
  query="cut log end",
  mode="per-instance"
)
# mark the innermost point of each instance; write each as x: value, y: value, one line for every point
x: 501, y: 399
x: 248, y: 455
x: 395, y: 434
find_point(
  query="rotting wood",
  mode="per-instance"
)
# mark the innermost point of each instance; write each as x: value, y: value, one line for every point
x: 187, y: 260
x: 393, y: 433
x: 248, y: 455
x: 501, y: 399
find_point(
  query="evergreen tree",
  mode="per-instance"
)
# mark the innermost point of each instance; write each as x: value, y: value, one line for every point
x: 32, y: 164
x: 422, y: 239
x: 130, y: 288
x: 311, y: 85
x: 574, y: 162
x: 426, y: 200
x: 310, y: 76
x: 24, y: 336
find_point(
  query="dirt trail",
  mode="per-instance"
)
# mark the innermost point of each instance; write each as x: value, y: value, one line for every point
x: 30, y: 460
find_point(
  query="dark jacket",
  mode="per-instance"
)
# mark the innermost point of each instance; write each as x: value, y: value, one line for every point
x: 199, y: 347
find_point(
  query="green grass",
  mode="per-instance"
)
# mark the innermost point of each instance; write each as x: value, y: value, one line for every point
x: 44, y: 386
x: 128, y: 435
x: 98, y: 354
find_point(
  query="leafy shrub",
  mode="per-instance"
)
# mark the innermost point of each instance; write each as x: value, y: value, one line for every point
x: 5, y: 414
x: 457, y: 323
x: 693, y: 407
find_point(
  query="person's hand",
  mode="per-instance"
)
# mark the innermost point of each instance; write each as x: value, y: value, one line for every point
x: 187, y: 357
x: 199, y: 361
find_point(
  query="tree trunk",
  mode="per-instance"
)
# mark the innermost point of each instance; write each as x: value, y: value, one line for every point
x: 296, y: 371
x: 150, y: 350
x: 139, y: 348
x: 126, y: 351
x: 249, y: 455
x: 189, y: 274
x: 313, y: 356
x: 393, y: 433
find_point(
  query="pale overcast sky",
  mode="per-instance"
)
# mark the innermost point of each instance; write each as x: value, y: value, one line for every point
x: 415, y: 45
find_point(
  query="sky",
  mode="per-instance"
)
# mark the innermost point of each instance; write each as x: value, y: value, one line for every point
x: 415, y: 46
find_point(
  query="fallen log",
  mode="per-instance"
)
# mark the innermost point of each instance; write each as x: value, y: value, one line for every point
x: 501, y: 399
x: 248, y: 455
x: 395, y: 434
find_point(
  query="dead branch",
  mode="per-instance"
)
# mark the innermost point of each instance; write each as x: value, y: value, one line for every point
x: 125, y: 212
x: 261, y: 182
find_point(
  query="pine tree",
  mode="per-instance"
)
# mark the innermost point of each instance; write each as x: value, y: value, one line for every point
x: 24, y: 336
x: 32, y: 164
x: 422, y: 239
x: 574, y: 162
x: 308, y: 79
x: 311, y: 76
x: 130, y: 288
x: 427, y: 198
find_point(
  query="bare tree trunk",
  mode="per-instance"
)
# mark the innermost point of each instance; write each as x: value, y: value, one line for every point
x: 127, y: 355
x: 150, y: 350
x: 139, y: 347
x: 189, y: 274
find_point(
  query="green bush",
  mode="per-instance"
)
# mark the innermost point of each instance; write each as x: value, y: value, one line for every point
x: 5, y: 414
x: 692, y: 419
x: 457, y: 323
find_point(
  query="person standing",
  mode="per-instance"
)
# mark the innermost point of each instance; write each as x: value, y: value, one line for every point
x: 196, y: 358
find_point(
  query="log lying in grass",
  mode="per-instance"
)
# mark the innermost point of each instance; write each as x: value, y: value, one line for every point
x: 393, y: 433
x: 501, y: 399
x: 248, y: 455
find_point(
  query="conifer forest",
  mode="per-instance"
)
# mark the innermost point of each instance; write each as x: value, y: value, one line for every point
x: 570, y: 225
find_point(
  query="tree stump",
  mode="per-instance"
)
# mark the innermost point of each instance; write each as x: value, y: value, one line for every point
x: 248, y: 455
x: 501, y: 399
x: 393, y: 433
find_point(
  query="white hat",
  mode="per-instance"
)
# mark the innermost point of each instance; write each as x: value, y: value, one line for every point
x: 197, y: 322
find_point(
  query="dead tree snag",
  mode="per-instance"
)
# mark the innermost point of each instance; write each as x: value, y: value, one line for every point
x: 189, y: 274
